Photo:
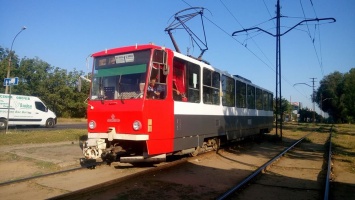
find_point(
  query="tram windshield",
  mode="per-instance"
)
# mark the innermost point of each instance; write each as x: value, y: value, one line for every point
x: 120, y: 76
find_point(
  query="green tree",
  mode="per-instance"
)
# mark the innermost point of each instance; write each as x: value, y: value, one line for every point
x: 306, y: 115
x: 56, y: 87
x: 4, y: 63
x: 286, y: 107
x: 349, y: 98
x: 336, y: 95
x: 330, y: 96
x: 31, y: 73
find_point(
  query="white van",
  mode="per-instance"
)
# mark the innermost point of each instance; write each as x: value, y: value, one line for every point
x: 25, y: 110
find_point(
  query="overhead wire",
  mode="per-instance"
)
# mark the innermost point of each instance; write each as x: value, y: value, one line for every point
x: 247, y: 33
x: 224, y: 31
x: 319, y: 58
x: 261, y: 60
x: 268, y: 11
x: 285, y: 79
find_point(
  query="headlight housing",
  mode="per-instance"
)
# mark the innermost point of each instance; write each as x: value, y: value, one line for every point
x: 137, y: 125
x: 92, y: 124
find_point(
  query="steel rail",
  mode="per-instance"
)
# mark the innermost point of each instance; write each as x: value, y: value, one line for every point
x: 256, y: 172
x: 86, y: 192
x: 328, y: 177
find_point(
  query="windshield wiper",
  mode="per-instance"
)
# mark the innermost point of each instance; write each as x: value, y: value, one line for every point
x: 101, y: 96
x: 120, y: 90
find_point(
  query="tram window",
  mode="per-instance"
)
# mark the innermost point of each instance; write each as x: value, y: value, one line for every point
x: 207, y: 78
x: 266, y: 100
x: 179, y: 87
x: 241, y: 94
x: 251, y: 96
x: 228, y: 98
x: 259, y: 99
x: 193, y: 83
x: 159, y: 56
x: 216, y: 80
x: 186, y: 80
x: 158, y: 65
x: 211, y: 84
x: 271, y: 105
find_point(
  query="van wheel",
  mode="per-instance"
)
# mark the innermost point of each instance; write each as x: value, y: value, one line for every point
x: 3, y: 123
x: 50, y: 123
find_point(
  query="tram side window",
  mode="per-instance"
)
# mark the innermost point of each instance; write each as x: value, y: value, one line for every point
x: 228, y: 98
x: 251, y: 96
x: 211, y: 84
x: 266, y: 100
x: 157, y: 76
x: 241, y: 94
x: 179, y: 87
x: 259, y: 99
x: 193, y: 83
x: 186, y: 81
x: 271, y: 105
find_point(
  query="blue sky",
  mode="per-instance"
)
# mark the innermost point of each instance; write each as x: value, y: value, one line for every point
x: 64, y: 32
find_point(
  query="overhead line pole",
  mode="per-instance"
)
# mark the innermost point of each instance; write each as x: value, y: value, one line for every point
x: 278, y: 63
x: 313, y: 100
x: 278, y: 35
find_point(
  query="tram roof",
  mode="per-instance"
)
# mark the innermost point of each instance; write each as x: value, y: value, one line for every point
x: 126, y: 49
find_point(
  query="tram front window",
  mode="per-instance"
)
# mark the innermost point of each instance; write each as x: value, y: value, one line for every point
x: 118, y: 87
x: 120, y: 76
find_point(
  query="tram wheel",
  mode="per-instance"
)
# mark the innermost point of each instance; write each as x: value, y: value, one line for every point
x: 215, y: 145
x: 195, y: 153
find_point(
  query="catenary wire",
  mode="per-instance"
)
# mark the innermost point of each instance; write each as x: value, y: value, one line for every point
x: 220, y: 28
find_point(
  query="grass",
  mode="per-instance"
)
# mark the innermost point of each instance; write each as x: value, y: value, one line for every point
x: 70, y: 120
x: 344, y: 137
x: 42, y: 136
x: 37, y: 136
x: 343, y: 141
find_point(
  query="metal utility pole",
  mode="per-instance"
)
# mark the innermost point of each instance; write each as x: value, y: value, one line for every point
x: 312, y: 96
x: 279, y: 111
x: 313, y: 100
x: 9, y: 65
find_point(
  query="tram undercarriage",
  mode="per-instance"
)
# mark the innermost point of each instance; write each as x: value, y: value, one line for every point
x: 134, y: 152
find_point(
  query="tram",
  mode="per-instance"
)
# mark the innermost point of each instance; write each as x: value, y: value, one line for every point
x: 148, y: 102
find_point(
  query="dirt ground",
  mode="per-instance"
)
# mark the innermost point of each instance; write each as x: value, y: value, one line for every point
x: 20, y: 161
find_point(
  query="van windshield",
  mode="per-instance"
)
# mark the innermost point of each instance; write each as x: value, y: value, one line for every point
x: 40, y: 106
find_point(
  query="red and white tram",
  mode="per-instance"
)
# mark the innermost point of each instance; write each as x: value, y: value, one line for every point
x: 192, y: 106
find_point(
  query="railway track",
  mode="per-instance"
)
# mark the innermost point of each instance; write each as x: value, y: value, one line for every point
x: 90, y: 191
x: 206, y: 176
x: 181, y: 178
x: 281, y: 164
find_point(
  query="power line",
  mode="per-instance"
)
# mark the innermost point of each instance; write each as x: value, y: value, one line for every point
x: 278, y: 58
x: 245, y: 46
x: 268, y: 11
x: 319, y: 59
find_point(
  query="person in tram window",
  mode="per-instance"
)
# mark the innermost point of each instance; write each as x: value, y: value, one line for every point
x: 152, y: 92
x: 177, y: 95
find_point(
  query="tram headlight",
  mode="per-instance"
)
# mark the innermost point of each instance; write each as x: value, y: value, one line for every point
x: 92, y: 124
x: 137, y: 125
